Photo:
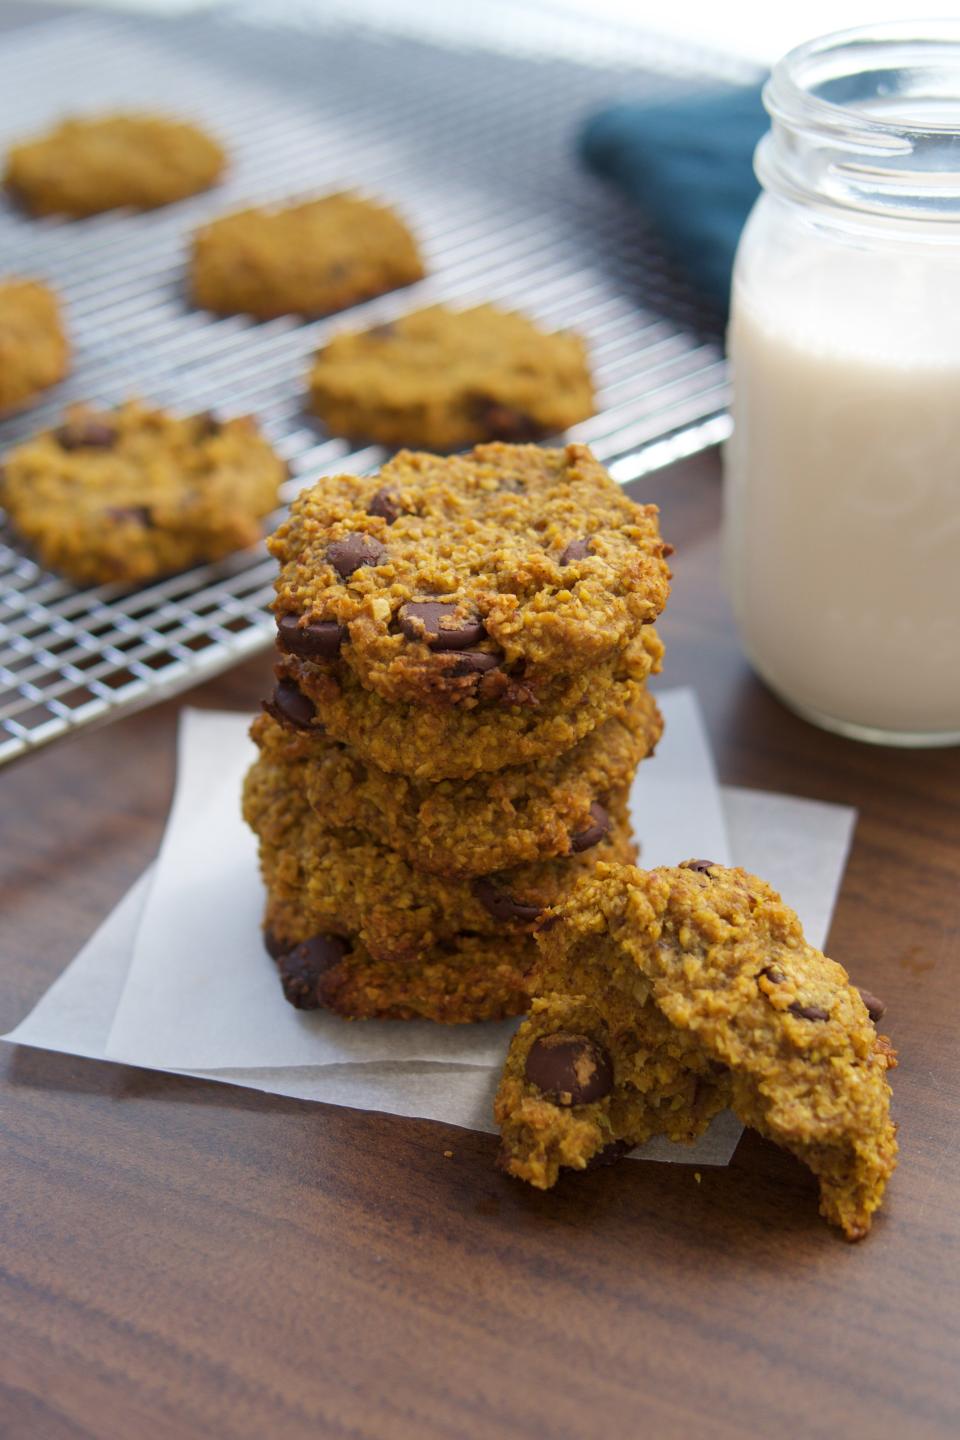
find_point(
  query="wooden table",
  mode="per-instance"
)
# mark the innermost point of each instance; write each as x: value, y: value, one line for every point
x: 182, y: 1259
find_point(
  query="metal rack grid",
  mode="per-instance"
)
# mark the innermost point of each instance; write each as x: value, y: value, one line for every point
x: 475, y: 149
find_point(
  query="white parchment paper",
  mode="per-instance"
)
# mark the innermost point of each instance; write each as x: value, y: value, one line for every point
x: 176, y: 978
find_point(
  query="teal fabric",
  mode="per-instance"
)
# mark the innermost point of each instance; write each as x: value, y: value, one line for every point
x: 688, y: 165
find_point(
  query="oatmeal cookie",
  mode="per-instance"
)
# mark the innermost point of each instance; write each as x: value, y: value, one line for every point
x: 303, y: 259
x: 660, y: 998
x: 448, y: 742
x: 448, y: 581
x: 470, y: 827
x: 87, y: 164
x: 444, y: 379
x: 342, y: 881
x: 460, y: 981
x: 34, y: 352
x: 133, y: 493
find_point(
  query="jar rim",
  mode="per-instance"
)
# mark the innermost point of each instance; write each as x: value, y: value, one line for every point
x: 868, y: 120
x: 791, y: 98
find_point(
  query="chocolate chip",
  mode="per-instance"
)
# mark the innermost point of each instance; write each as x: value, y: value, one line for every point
x: 385, y: 331
x: 471, y: 662
x: 569, y: 1069
x: 303, y: 966
x: 775, y: 976
x: 550, y: 923
x: 576, y: 550
x: 702, y: 867
x: 502, y: 422
x: 131, y: 515
x: 503, y: 906
x: 85, y: 435
x: 424, y: 620
x: 386, y: 504
x: 876, y: 1009
x: 353, y: 552
x: 594, y: 833
x: 207, y: 425
x: 290, y: 705
x: 320, y: 640
x: 274, y: 947
x: 609, y: 1155
x: 808, y: 1012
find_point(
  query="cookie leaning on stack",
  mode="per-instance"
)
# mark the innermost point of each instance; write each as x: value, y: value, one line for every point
x: 663, y: 996
x: 460, y: 706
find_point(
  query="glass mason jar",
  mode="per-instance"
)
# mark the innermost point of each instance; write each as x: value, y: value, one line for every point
x: 842, y: 479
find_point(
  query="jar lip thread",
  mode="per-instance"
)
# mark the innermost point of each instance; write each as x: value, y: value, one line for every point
x: 789, y: 98
x: 868, y: 119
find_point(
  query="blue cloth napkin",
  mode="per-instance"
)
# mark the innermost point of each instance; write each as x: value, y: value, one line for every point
x: 688, y: 164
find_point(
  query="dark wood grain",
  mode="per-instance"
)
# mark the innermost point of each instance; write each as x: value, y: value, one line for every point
x: 183, y: 1259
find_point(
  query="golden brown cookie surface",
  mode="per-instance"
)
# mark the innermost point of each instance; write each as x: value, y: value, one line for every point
x: 470, y: 827
x: 348, y: 882
x: 132, y: 493
x: 445, y: 742
x: 662, y: 997
x: 442, y: 379
x: 304, y: 259
x: 88, y: 164
x: 34, y: 352
x: 468, y: 579
x: 459, y: 982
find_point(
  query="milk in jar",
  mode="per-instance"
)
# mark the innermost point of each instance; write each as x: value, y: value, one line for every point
x: 842, y: 478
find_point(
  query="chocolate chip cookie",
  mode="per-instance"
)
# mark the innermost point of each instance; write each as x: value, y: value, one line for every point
x: 470, y: 827
x: 660, y: 998
x: 34, y: 352
x: 468, y: 580
x: 304, y: 259
x: 132, y: 493
x: 462, y: 981
x: 444, y: 379
x: 445, y: 742
x: 92, y: 163
x: 343, y: 881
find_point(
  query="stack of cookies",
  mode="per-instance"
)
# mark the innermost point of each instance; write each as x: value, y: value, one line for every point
x: 460, y: 707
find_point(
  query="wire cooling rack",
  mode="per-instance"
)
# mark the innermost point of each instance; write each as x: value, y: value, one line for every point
x: 473, y: 143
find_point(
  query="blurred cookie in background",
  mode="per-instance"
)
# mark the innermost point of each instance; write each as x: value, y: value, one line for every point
x: 308, y: 258
x: 442, y: 379
x: 34, y: 350
x: 133, y: 493
x: 88, y: 164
